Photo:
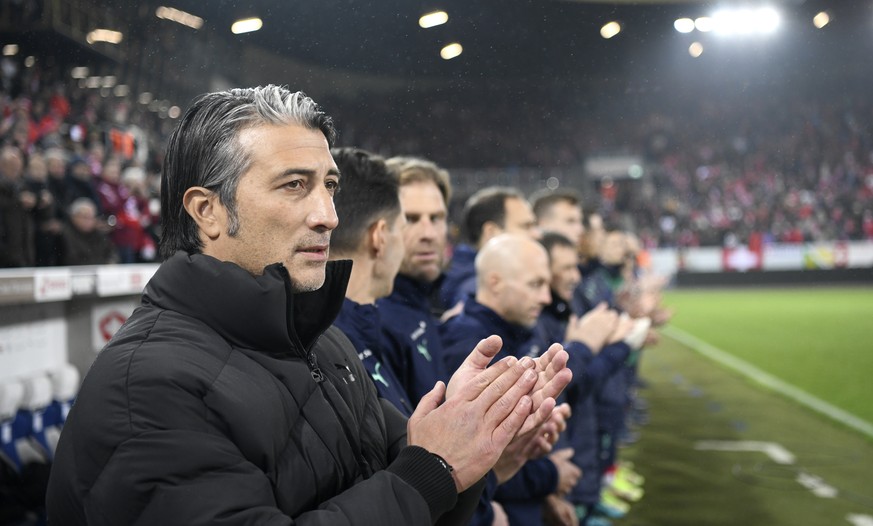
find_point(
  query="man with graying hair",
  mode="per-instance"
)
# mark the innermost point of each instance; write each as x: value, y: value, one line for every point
x: 228, y: 398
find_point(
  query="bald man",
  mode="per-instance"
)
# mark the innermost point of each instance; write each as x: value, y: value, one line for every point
x: 512, y: 287
x: 487, y: 213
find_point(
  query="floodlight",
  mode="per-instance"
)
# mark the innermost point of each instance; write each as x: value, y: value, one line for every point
x: 179, y: 16
x: 451, y: 51
x: 246, y: 25
x: 436, y: 18
x: 610, y: 29
x: 104, y: 35
x: 704, y: 24
x: 684, y: 25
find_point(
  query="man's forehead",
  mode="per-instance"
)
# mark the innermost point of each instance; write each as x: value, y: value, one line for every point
x: 421, y: 193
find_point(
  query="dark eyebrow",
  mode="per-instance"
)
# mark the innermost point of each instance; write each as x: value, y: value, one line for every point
x: 302, y: 171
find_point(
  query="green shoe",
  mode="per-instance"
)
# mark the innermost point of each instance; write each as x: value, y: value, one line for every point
x: 613, y: 506
x: 631, y: 476
x: 627, y: 491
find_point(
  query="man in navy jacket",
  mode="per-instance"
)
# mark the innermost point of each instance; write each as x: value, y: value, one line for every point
x: 487, y: 213
x: 512, y: 288
x: 369, y: 233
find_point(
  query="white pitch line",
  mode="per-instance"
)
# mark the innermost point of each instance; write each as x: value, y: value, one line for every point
x: 768, y: 380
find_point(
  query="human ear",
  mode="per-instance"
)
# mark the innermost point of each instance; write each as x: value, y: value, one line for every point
x: 489, y: 230
x: 377, y: 236
x: 206, y: 210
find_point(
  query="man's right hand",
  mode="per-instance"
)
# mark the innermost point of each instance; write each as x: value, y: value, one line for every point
x: 474, y: 425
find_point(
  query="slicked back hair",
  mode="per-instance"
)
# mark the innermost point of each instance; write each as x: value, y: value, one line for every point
x: 417, y: 170
x: 369, y: 192
x: 204, y: 150
x: 488, y: 204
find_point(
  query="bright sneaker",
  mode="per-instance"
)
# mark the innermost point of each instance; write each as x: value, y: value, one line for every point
x: 631, y: 476
x: 625, y: 490
x: 611, y: 506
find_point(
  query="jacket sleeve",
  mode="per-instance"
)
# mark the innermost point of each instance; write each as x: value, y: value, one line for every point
x: 185, y: 477
x: 536, y: 479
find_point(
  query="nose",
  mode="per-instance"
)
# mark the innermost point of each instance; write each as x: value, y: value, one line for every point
x: 428, y: 230
x: 545, y: 296
x: 322, y: 215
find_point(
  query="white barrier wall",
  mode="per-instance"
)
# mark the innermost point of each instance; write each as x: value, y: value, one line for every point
x: 53, y: 316
x: 50, y: 317
x: 819, y: 256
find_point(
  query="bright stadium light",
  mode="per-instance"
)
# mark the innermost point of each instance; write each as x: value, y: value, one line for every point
x: 684, y: 25
x: 451, y: 51
x: 179, y: 16
x: 695, y: 49
x: 79, y: 73
x: 610, y: 29
x: 822, y: 19
x: 246, y: 25
x: 10, y: 50
x: 704, y: 24
x: 766, y: 20
x: 746, y: 21
x: 104, y: 35
x: 437, y: 18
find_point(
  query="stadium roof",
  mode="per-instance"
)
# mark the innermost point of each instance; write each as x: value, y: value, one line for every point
x: 500, y: 38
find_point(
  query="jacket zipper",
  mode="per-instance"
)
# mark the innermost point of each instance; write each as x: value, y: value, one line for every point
x: 316, y: 373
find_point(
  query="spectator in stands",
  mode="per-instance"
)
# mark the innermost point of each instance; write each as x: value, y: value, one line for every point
x: 82, y: 242
x: 17, y: 206
x: 56, y: 164
x: 80, y: 182
x: 132, y: 219
x: 47, y: 226
x: 232, y: 353
x: 487, y: 213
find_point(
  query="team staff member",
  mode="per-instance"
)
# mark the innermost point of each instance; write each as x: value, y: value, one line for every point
x: 226, y: 397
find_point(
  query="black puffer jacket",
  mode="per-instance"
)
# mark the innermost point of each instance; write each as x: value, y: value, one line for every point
x: 226, y: 399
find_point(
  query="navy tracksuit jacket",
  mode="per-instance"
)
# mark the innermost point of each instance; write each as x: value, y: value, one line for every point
x: 460, y: 278
x: 361, y: 323
x: 522, y: 495
x: 590, y: 372
x: 413, y: 344
x: 412, y: 337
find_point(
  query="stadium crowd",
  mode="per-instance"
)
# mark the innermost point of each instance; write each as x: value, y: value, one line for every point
x: 719, y: 172
x: 79, y: 185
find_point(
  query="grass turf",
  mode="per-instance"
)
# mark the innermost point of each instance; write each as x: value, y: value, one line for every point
x: 693, y: 399
x: 817, y: 339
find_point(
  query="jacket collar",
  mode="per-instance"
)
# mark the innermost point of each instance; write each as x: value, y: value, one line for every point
x: 361, y: 323
x: 513, y: 335
x: 558, y: 308
x: 254, y: 312
x: 413, y: 292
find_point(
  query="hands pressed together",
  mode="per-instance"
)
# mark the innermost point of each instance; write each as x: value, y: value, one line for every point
x: 493, y: 417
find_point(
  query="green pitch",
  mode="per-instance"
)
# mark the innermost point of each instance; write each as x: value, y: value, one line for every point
x: 817, y: 339
x: 694, y: 403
